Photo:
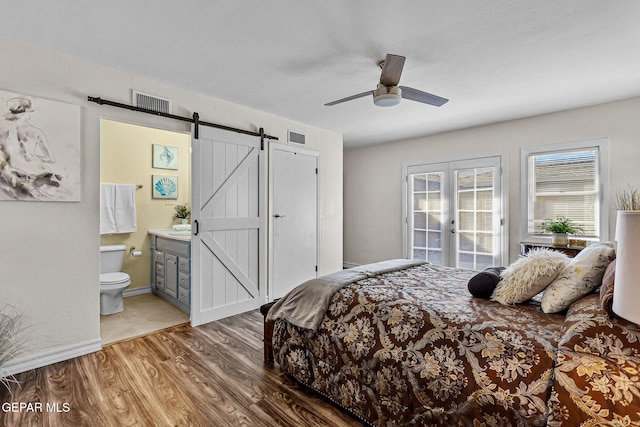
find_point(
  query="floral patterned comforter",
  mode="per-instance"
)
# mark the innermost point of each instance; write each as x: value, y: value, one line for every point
x: 413, y: 347
x: 597, y: 375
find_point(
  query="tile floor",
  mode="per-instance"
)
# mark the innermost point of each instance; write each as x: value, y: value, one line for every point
x: 142, y: 314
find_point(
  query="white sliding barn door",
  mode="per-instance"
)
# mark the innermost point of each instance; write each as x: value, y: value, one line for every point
x: 228, y: 236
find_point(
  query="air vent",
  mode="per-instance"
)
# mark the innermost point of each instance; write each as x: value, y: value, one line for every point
x: 298, y: 138
x: 151, y: 102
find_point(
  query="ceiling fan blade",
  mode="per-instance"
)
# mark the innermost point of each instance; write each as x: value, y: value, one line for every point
x: 392, y: 70
x: 424, y: 97
x: 349, y: 98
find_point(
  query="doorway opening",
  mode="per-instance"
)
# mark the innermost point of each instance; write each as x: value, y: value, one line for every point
x: 126, y: 157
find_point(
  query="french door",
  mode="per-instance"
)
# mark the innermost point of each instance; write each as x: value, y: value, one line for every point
x: 454, y: 213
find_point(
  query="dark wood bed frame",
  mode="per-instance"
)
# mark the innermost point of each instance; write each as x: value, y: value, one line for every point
x: 268, y: 332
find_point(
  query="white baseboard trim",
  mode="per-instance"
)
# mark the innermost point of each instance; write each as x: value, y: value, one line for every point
x: 136, y: 291
x: 346, y: 265
x: 49, y: 357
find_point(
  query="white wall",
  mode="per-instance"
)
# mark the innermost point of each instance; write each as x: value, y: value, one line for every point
x: 49, y: 251
x: 373, y: 175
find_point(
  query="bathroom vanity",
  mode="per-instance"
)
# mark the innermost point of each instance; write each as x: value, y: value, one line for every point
x: 171, y: 268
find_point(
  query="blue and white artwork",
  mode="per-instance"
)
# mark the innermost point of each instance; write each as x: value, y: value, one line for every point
x: 39, y: 149
x: 165, y: 187
x: 165, y: 157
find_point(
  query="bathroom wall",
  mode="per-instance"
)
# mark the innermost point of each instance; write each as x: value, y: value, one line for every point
x: 126, y: 158
x: 49, y: 256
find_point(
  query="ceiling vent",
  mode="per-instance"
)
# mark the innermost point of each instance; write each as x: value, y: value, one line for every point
x: 151, y: 102
x: 297, y: 138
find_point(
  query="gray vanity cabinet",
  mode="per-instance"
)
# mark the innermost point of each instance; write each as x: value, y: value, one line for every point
x: 171, y: 271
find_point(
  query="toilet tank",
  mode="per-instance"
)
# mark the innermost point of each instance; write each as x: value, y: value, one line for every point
x: 111, y: 257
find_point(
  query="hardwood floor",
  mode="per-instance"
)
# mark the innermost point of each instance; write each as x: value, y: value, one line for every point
x: 211, y: 375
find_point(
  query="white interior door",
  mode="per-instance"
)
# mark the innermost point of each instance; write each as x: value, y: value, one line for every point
x: 455, y: 213
x: 293, y: 183
x: 227, y: 241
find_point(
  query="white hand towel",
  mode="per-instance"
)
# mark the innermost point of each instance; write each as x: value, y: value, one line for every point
x: 107, y: 204
x: 125, y: 208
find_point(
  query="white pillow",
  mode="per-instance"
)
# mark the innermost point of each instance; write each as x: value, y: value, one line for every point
x: 579, y: 278
x: 529, y: 275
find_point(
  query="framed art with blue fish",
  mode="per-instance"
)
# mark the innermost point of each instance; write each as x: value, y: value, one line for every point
x: 165, y: 157
x: 165, y: 186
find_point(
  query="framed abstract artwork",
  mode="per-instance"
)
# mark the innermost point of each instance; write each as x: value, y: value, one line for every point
x: 165, y: 157
x: 164, y: 186
x: 39, y: 149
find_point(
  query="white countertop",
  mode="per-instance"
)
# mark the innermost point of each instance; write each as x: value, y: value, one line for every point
x: 167, y: 234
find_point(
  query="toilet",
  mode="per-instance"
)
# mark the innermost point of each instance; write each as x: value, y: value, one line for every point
x: 112, y: 281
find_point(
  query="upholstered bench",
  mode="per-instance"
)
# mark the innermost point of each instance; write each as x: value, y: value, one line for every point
x: 268, y: 331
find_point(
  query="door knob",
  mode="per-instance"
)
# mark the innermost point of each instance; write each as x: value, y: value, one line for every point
x: 279, y: 216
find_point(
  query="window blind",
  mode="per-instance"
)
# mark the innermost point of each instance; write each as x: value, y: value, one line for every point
x: 564, y: 184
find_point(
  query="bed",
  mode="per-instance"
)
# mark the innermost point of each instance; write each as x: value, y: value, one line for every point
x: 407, y: 344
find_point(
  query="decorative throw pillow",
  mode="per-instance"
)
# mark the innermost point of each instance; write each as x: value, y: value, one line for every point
x: 606, y: 290
x: 580, y: 277
x: 482, y: 284
x: 529, y: 275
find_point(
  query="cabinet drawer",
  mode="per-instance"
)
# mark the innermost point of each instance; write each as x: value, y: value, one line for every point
x: 183, y: 295
x: 160, y: 269
x: 183, y: 281
x: 184, y: 265
x: 179, y: 248
x: 160, y: 283
x: 159, y: 257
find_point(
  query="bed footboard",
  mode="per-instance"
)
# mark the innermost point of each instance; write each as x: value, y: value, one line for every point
x: 268, y: 331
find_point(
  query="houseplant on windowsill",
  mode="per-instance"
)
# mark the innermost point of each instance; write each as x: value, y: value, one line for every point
x: 182, y: 213
x: 560, y: 228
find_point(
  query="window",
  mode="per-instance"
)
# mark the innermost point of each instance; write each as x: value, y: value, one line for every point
x: 566, y: 180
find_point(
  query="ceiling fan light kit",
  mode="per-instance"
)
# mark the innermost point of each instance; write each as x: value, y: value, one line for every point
x: 385, y: 96
x: 388, y: 93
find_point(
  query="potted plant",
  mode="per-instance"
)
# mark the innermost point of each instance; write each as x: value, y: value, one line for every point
x: 561, y: 227
x: 629, y: 199
x: 12, y: 341
x: 182, y: 213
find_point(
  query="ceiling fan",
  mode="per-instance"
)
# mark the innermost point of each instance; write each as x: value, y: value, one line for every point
x: 388, y: 93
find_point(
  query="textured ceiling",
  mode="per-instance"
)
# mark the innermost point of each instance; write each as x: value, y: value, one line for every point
x: 495, y: 60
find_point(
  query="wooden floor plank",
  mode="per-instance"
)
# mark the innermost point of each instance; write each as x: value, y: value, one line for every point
x: 211, y: 375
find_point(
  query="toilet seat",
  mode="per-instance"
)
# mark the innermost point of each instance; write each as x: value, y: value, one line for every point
x: 111, y: 279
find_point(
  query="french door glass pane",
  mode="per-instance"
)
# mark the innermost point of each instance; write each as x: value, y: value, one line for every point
x: 484, y: 242
x: 474, y: 217
x: 435, y: 221
x: 434, y: 180
x: 485, y: 200
x: 427, y: 216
